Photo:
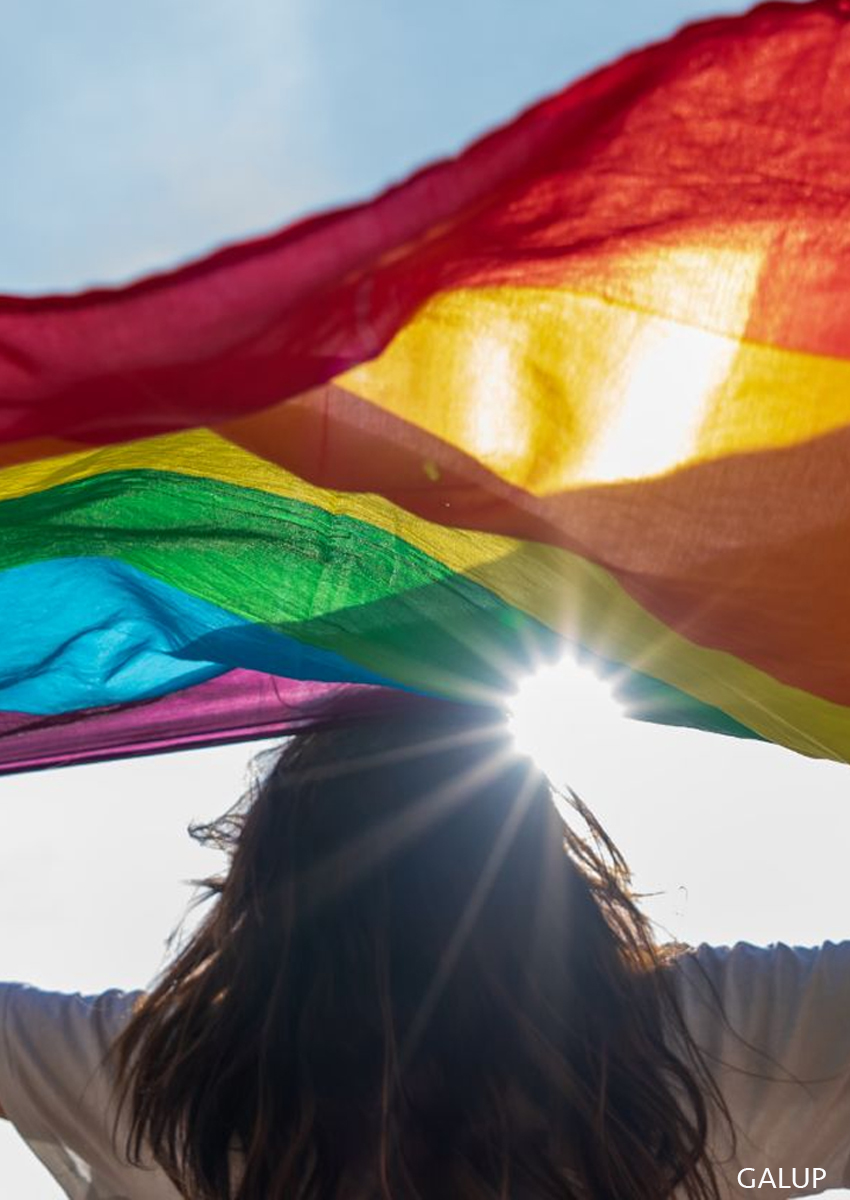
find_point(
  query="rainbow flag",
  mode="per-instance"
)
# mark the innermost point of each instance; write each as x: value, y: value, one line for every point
x: 584, y: 387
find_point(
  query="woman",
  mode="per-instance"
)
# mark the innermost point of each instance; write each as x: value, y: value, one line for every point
x: 421, y: 977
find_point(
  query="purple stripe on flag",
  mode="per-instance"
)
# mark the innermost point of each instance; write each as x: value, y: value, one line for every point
x: 237, y: 706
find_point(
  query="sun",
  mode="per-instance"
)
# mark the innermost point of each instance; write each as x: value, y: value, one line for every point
x: 564, y: 716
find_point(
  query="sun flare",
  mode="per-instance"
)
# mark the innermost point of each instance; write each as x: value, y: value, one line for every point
x: 563, y: 716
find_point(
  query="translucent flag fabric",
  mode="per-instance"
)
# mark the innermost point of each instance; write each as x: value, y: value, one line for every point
x: 583, y: 388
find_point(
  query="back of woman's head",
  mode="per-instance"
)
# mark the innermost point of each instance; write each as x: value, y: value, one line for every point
x: 416, y: 980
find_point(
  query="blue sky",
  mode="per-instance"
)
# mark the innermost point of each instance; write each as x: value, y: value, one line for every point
x: 137, y: 135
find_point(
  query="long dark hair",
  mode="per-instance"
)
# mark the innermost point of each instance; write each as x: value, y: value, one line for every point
x: 424, y: 975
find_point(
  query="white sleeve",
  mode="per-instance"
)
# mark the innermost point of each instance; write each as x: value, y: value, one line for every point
x: 781, y: 1058
x: 57, y: 1091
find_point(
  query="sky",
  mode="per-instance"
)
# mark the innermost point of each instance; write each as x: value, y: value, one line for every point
x: 137, y: 136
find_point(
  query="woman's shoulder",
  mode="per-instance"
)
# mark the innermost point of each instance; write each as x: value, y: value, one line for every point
x: 75, y: 1021
x: 773, y: 1025
x: 779, y: 1000
x: 57, y: 1085
x: 744, y: 965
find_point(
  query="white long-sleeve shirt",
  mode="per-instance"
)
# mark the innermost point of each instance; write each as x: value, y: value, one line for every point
x: 782, y: 1061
